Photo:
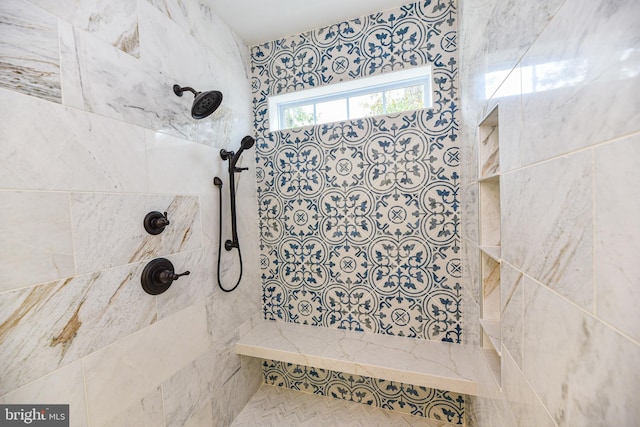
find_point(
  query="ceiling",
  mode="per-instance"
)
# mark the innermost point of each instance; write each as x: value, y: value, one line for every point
x: 257, y: 21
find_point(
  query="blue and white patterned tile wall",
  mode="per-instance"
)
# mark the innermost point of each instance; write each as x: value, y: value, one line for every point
x: 359, y: 219
x: 419, y: 401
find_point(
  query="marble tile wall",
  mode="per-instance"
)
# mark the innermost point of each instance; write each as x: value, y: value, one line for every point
x: 92, y: 138
x: 566, y: 77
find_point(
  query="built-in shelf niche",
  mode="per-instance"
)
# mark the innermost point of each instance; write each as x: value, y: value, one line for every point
x: 490, y: 247
x: 489, y: 154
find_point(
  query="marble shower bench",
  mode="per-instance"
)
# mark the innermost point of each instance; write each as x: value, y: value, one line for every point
x: 433, y: 364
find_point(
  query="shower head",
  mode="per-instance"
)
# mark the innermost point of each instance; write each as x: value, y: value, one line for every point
x: 247, y: 142
x: 204, y: 103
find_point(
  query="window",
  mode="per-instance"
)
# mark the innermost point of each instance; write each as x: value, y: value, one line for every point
x: 371, y: 96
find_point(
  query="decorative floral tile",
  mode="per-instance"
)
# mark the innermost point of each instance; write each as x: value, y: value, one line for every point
x: 360, y: 219
x: 421, y: 401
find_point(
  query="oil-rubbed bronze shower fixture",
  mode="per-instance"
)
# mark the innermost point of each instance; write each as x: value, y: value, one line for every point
x: 155, y: 222
x: 232, y: 157
x: 204, y: 103
x: 158, y: 276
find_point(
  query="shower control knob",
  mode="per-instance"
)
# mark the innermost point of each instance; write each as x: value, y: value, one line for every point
x: 155, y: 222
x: 168, y: 276
x: 158, y: 276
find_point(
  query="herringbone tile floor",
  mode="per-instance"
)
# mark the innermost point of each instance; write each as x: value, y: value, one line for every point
x: 279, y: 407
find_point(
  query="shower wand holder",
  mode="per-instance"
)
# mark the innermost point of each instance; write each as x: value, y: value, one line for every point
x: 230, y: 244
x: 158, y: 276
x: 231, y: 155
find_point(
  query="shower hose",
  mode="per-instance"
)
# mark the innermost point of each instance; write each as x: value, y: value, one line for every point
x: 220, y: 246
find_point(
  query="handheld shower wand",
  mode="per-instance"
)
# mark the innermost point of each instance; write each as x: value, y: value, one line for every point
x: 246, y: 143
x: 233, y: 157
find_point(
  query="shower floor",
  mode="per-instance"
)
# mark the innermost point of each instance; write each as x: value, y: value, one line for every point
x: 275, y: 406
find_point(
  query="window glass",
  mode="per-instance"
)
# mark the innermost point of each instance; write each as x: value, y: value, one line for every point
x: 394, y: 92
x: 295, y: 117
x: 331, y: 111
x: 366, y: 105
x: 404, y: 99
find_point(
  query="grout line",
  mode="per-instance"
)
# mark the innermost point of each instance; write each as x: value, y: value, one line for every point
x: 164, y: 415
x: 73, y: 240
x: 103, y: 116
x: 130, y: 264
x: 582, y: 309
x: 528, y: 384
x: 147, y: 148
x: 86, y: 394
x: 593, y: 233
x: 576, y: 151
x: 528, y: 48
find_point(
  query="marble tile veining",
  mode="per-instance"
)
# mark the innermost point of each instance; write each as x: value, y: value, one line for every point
x: 167, y: 46
x: 229, y: 399
x: 64, y: 386
x: 205, y: 26
x: 525, y: 405
x: 191, y: 388
x: 92, y: 138
x: 523, y: 21
x: 35, y: 238
x: 469, y: 194
x: 202, y: 162
x: 29, y: 58
x: 145, y: 98
x: 617, y: 189
x: 147, y: 411
x: 120, y: 375
x: 195, y: 288
x: 583, y: 373
x: 578, y: 80
x: 48, y: 326
x: 413, y: 361
x: 109, y: 231
x: 547, y: 227
x: 512, y: 292
x: 67, y: 149
x: 115, y: 21
x: 566, y: 77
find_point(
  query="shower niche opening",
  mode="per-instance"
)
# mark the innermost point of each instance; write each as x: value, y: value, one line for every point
x: 490, y: 241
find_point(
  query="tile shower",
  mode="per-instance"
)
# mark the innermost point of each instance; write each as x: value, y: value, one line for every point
x: 566, y: 78
x: 92, y: 138
x: 359, y: 220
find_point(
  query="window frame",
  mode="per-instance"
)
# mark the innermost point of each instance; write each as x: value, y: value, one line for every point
x: 345, y: 90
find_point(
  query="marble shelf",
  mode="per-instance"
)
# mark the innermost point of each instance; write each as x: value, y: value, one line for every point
x: 433, y: 364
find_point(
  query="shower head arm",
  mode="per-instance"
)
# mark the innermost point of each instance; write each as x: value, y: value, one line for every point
x: 178, y: 90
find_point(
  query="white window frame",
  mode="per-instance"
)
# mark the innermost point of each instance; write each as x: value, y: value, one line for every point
x: 383, y: 82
